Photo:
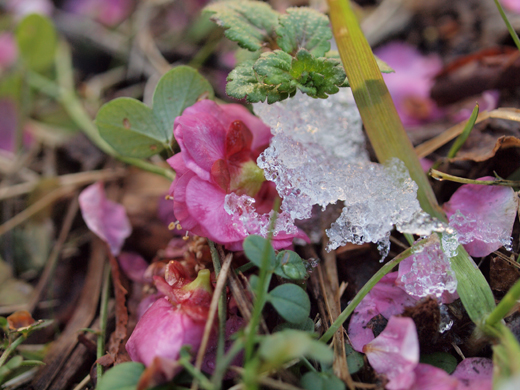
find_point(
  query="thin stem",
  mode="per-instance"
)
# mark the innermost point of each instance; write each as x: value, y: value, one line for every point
x: 510, y: 28
x: 465, y: 133
x: 224, y: 362
x: 197, y: 374
x: 438, y: 175
x: 11, y: 348
x: 505, y: 305
x: 338, y: 323
x: 103, y: 316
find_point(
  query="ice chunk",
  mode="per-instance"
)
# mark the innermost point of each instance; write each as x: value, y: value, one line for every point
x: 427, y: 272
x: 317, y: 157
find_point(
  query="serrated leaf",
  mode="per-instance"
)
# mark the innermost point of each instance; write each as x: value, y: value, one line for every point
x: 281, y: 347
x: 256, y: 247
x: 124, y: 376
x: 129, y: 127
x: 178, y: 89
x: 243, y: 83
x: 304, y: 28
x: 291, y: 302
x: 251, y: 24
x: 37, y: 40
x: 442, y: 360
x: 321, y: 381
x: 290, y: 266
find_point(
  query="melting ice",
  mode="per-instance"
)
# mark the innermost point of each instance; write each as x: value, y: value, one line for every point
x: 317, y: 156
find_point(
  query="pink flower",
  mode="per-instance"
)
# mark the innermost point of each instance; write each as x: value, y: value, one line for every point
x: 511, y: 5
x: 107, y: 219
x: 395, y: 353
x: 411, y: 83
x: 25, y: 7
x: 172, y: 321
x: 219, y: 147
x: 483, y: 216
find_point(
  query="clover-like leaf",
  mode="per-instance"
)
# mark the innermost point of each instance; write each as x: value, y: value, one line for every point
x: 291, y: 302
x: 304, y: 28
x: 290, y: 266
x: 251, y: 24
x: 256, y: 248
x: 37, y: 41
x: 281, y: 347
x: 124, y: 376
x: 321, y: 381
x: 178, y: 89
x: 130, y: 128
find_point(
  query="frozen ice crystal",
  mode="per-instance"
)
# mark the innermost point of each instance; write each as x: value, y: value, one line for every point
x: 427, y: 272
x: 468, y: 230
x: 317, y: 156
x: 247, y: 221
x: 446, y: 320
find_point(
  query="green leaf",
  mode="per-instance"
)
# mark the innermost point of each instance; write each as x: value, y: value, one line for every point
x: 251, y: 24
x: 130, y: 128
x: 306, y: 326
x: 124, y: 376
x: 304, y: 28
x: 14, y: 362
x: 291, y: 302
x: 255, y: 247
x: 321, y: 381
x: 442, y: 360
x: 178, y: 89
x: 37, y: 40
x: 276, y: 76
x: 290, y: 266
x: 281, y: 347
x: 355, y: 360
x: 243, y: 82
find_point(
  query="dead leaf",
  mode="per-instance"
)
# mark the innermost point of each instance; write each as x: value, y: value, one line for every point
x: 484, y: 152
x: 20, y: 319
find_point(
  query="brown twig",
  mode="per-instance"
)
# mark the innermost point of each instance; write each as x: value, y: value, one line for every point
x: 50, y: 265
x: 219, y: 288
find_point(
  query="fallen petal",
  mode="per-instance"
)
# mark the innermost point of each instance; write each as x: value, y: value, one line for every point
x: 474, y: 374
x: 395, y: 353
x: 107, y: 219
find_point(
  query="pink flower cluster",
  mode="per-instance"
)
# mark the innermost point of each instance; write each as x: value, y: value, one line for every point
x: 219, y: 147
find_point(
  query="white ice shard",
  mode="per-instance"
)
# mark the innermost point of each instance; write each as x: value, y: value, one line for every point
x: 318, y: 156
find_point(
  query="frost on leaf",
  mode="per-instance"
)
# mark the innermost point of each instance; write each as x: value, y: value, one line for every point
x: 317, y: 156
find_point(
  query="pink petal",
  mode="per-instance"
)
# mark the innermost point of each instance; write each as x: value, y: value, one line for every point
x: 426, y: 164
x: 133, y: 265
x: 487, y: 101
x: 411, y: 83
x: 161, y: 332
x: 432, y: 378
x: 205, y: 203
x: 261, y: 132
x: 474, y: 374
x: 177, y: 163
x: 180, y: 208
x: 25, y: 7
x: 108, y: 12
x: 511, y: 5
x: 385, y: 298
x: 202, y: 141
x: 395, y: 353
x: 107, y: 219
x: 485, y: 216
